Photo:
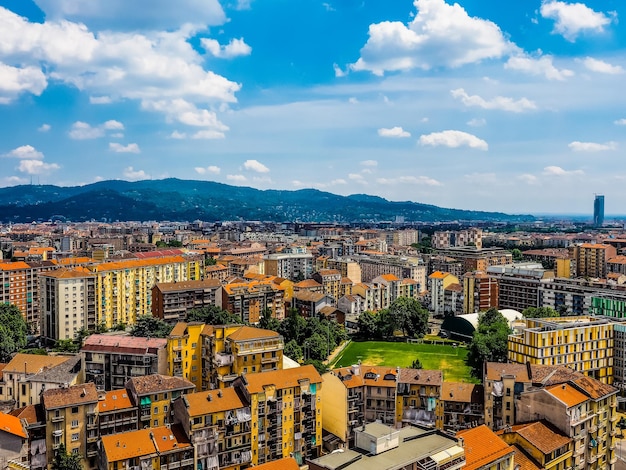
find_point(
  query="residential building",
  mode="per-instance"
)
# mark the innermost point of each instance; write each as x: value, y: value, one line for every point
x: 438, y: 283
x: 309, y: 304
x: 250, y: 300
x: 401, y: 267
x: 370, y: 295
x: 582, y: 343
x: 68, y: 302
x: 289, y: 265
x: 378, y: 446
x: 172, y: 300
x: 590, y: 259
x: 330, y: 279
x: 111, y: 360
x: 470, y: 237
x: 419, y: 397
x: 348, y: 267
x: 390, y: 288
x: 478, y: 260
x: 124, y: 288
x: 518, y: 284
x: 484, y: 450
x: 13, y: 443
x: 445, y: 264
x: 154, y: 394
x: 218, y: 423
x: 286, y: 408
x: 463, y: 405
x: 71, y: 420
x: 619, y: 355
x: 26, y: 376
x: 34, y: 420
x: 116, y: 413
x: 308, y: 285
x: 185, y: 352
x: 480, y: 292
x: 217, y: 271
x: 158, y: 448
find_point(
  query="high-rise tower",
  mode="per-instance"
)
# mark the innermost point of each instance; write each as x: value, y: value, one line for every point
x: 598, y: 210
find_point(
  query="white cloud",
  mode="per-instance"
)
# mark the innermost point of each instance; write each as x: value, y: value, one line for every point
x: 243, y: 4
x: 187, y: 113
x: 237, y: 178
x: 82, y: 131
x: 12, y: 181
x: 353, y: 100
x: 571, y: 19
x: 369, y: 163
x: 328, y: 6
x: 558, y: 171
x: 119, y: 148
x: 27, y: 152
x: 135, y: 175
x: 600, y: 66
x: 528, y: 179
x: 338, y: 72
x: 499, y: 102
x: 338, y: 181
x: 396, y: 132
x: 419, y: 180
x: 113, y: 125
x: 591, y: 146
x: 100, y: 100
x: 476, y: 122
x: 117, y: 135
x: 439, y: 35
x: 212, y: 170
x: 208, y: 134
x: 15, y: 81
x: 235, y: 48
x: 36, y: 167
x: 453, y: 139
x: 44, y: 128
x: 355, y: 176
x: 255, y: 165
x: 538, y: 66
x: 178, y: 135
x: 620, y: 122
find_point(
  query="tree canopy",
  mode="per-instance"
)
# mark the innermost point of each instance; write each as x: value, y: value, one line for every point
x: 403, y: 314
x: 212, y: 315
x: 490, y: 341
x: 13, y: 331
x: 66, y: 461
x: 540, y: 312
x: 148, y: 326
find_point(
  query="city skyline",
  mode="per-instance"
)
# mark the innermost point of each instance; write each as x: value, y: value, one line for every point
x: 471, y: 105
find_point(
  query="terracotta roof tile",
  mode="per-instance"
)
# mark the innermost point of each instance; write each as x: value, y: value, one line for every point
x: 114, y: 400
x: 33, y: 363
x: 138, y: 263
x: 543, y: 436
x: 523, y: 461
x: 75, y: 395
x: 285, y: 378
x: 567, y: 394
x: 157, y: 383
x: 482, y: 446
x: 124, y: 344
x: 12, y: 425
x: 594, y: 388
x: 246, y: 333
x: 65, y: 273
x: 31, y: 413
x: 286, y: 463
x: 307, y: 283
x: 187, y: 285
x: 128, y: 445
x: 462, y: 392
x: 212, y: 401
x: 420, y: 376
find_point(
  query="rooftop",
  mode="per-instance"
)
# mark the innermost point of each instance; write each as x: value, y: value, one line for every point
x: 286, y: 378
x: 212, y: 401
x: 71, y: 396
x: 482, y: 446
x: 157, y: 383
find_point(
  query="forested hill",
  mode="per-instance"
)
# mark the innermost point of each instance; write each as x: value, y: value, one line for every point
x: 180, y: 200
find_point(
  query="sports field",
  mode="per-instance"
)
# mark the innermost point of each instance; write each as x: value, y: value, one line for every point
x: 449, y: 359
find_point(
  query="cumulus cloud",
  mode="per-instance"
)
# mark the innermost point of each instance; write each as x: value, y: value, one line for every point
x: 150, y: 67
x: 44, y: 128
x: 36, y: 167
x: 338, y: 72
x: 113, y: 125
x: 440, y: 34
x: 235, y: 48
x: 572, y: 19
x: 369, y: 163
x: 135, y: 175
x: 453, y: 139
x: 119, y: 148
x: 395, y: 132
x: 528, y: 179
x: 12, y: 181
x: 600, y: 66
x: 187, y: 113
x: 419, y: 180
x: 237, y: 178
x: 255, y: 165
x: 100, y: 100
x: 476, y: 122
x: 558, y: 171
x: 620, y: 122
x: 541, y: 65
x: 592, y: 146
x: 27, y: 152
x: 82, y: 130
x: 208, y: 134
x: 209, y: 170
x: 499, y: 102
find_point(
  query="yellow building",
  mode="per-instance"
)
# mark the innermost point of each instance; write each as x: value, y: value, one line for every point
x: 184, y: 352
x: 154, y: 395
x: 582, y: 343
x: 218, y: 423
x: 418, y: 399
x: 286, y: 408
x: 347, y: 267
x: 124, y: 288
x: 250, y: 300
x: 330, y: 279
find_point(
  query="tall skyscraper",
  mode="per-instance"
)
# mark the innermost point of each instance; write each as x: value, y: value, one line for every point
x: 598, y: 210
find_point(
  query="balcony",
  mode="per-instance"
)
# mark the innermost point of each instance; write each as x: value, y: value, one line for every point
x: 593, y: 429
x: 614, y: 418
x: 227, y: 377
x: 57, y: 432
x: 57, y: 419
x: 591, y: 459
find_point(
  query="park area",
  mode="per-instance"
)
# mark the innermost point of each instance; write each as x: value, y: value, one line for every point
x: 446, y: 357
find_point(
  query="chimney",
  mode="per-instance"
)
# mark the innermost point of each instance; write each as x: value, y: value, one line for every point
x: 219, y: 393
x: 209, y: 397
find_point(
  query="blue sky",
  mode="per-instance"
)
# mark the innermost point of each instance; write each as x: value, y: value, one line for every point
x: 481, y: 104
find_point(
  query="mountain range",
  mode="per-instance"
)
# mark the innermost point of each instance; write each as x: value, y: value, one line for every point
x: 187, y: 200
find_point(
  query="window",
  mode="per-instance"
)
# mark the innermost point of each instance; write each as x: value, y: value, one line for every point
x: 165, y: 409
x: 74, y: 409
x: 156, y: 410
x: 156, y: 423
x: 74, y: 423
x: 75, y: 437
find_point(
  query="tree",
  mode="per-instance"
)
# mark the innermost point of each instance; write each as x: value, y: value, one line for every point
x: 66, y: 461
x: 621, y: 424
x: 293, y: 350
x: 268, y: 322
x: 319, y: 365
x: 316, y: 347
x: 293, y: 327
x: 66, y: 345
x: 148, y: 326
x: 540, y: 312
x: 13, y: 331
x: 212, y: 315
x: 416, y: 364
x: 385, y: 324
x: 490, y: 341
x: 366, y: 324
x: 409, y: 316
x: 517, y: 254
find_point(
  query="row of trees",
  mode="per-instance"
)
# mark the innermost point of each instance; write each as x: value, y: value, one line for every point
x: 404, y: 314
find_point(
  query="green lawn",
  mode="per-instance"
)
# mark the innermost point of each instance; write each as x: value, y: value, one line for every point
x: 449, y: 359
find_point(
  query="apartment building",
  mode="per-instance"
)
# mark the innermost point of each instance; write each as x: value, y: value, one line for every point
x: 438, y: 284
x: 445, y: 264
x: 480, y: 292
x: 172, y: 300
x: 583, y: 343
x: 68, y: 302
x: 478, y: 260
x: 287, y: 415
x: 109, y: 361
x: 289, y: 265
x: 419, y: 397
x: 330, y: 279
x: 619, y: 354
x: 518, y: 284
x: 446, y: 239
x: 463, y: 405
x: 309, y: 304
x: 14, y: 449
x: 218, y: 272
x: 401, y: 267
x: 590, y: 259
x: 124, y: 288
x: 70, y: 415
x: 218, y: 423
x: 249, y: 300
x: 348, y: 267
x: 116, y: 413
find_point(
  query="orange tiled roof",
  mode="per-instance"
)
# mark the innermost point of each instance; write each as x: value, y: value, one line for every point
x: 12, y: 266
x: 114, y: 400
x: 212, y: 401
x: 138, y: 263
x: 462, y: 392
x: 523, y: 461
x: 128, y: 445
x: 285, y: 378
x: 286, y: 463
x: 482, y: 446
x: 246, y: 333
x: 32, y: 363
x: 74, y: 395
x: 567, y: 394
x: 420, y: 376
x: 156, y: 383
x: 390, y: 277
x: 438, y: 275
x: 65, y: 273
x: 545, y: 438
x: 12, y: 425
x: 594, y: 388
x: 307, y: 284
